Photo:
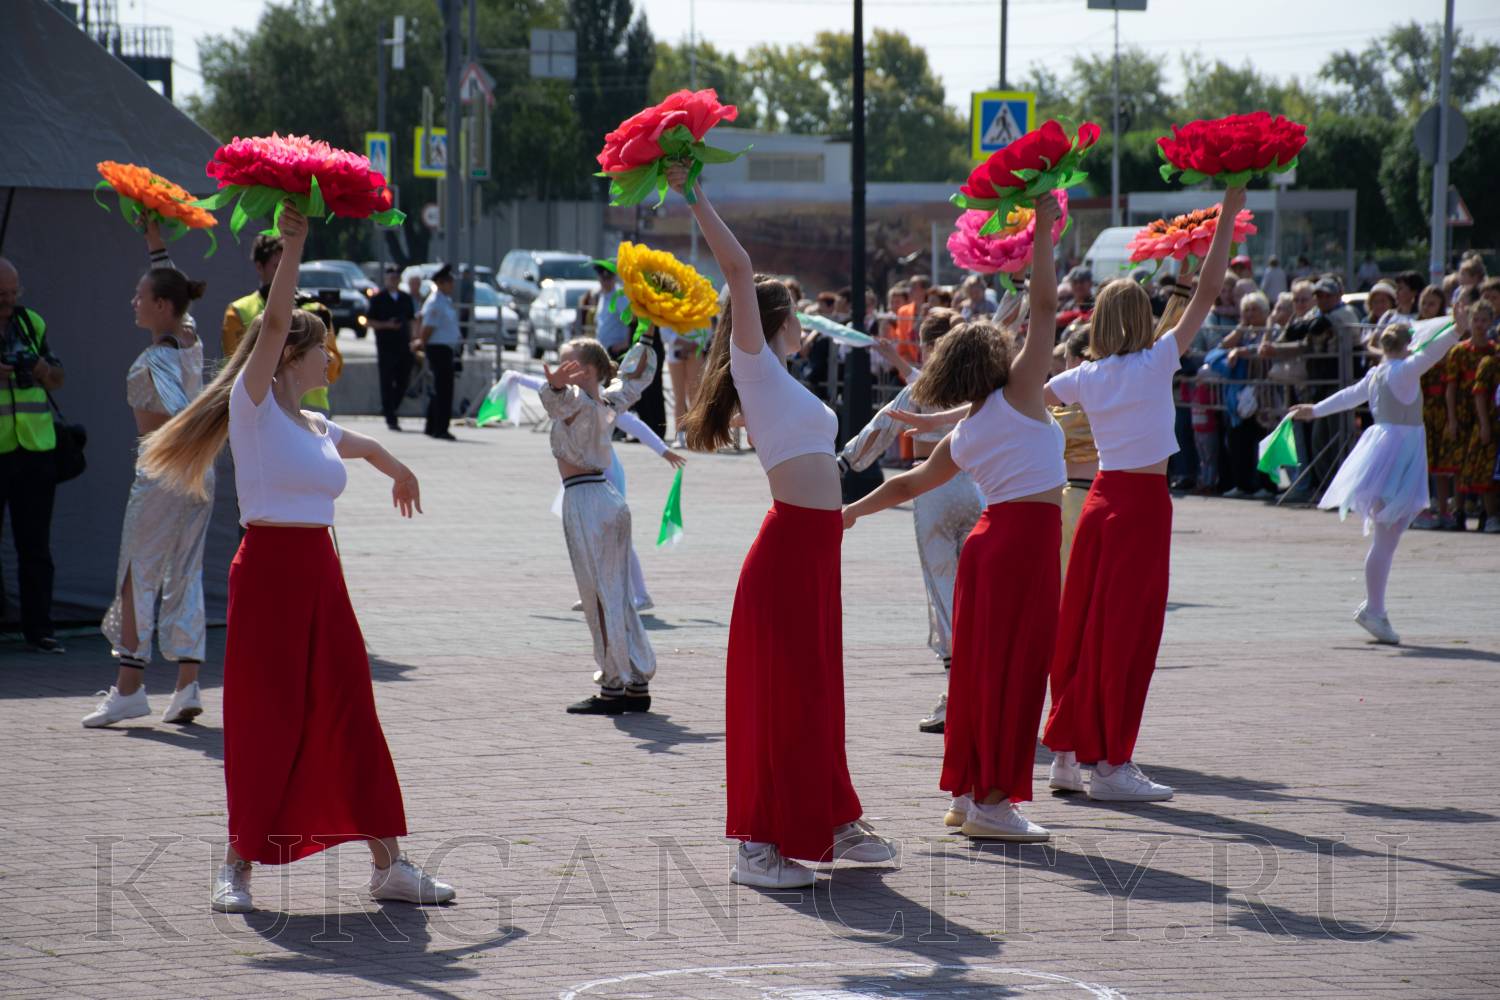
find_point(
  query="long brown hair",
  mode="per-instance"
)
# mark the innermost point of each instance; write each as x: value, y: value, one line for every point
x: 707, y: 423
x: 970, y: 361
x: 181, y: 451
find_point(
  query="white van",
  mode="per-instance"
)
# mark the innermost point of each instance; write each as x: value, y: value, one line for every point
x: 1108, y: 258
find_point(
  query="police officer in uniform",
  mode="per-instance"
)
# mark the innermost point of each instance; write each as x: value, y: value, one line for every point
x: 28, y: 440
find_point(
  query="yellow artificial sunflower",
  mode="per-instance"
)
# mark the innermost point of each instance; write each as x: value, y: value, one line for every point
x: 663, y: 291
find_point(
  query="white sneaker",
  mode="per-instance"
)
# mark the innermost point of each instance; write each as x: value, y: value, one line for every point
x: 935, y: 722
x: 1002, y: 821
x: 644, y: 604
x: 765, y: 868
x: 958, y: 810
x: 859, y: 842
x: 231, y: 892
x: 1377, y: 625
x: 406, y: 883
x: 186, y: 705
x: 1126, y: 783
x: 117, y: 707
x: 1066, y: 774
x: 577, y: 605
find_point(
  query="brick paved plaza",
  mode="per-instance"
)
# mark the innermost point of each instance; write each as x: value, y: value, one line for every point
x: 1336, y: 830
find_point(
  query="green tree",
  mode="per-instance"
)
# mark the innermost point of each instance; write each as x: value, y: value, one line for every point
x: 722, y: 71
x: 310, y: 68
x: 1216, y: 89
x: 1400, y: 71
x: 1347, y: 152
x: 1143, y: 92
x: 788, y: 89
x: 616, y: 54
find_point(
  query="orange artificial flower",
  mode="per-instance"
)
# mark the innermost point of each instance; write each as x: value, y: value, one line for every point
x: 155, y: 194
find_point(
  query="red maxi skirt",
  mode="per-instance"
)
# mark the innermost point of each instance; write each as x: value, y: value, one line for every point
x: 1114, y: 604
x: 1004, y: 624
x: 787, y: 776
x: 305, y: 761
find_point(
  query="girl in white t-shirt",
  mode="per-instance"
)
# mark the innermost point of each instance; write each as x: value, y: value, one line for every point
x: 1114, y: 602
x: 1005, y: 597
x: 788, y: 779
x: 305, y: 761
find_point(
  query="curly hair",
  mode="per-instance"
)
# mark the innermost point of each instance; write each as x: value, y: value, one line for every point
x: 969, y: 363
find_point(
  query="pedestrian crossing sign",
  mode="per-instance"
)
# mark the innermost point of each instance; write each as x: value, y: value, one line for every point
x: 998, y: 118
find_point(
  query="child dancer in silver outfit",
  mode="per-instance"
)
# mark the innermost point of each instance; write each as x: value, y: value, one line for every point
x: 161, y: 543
x: 583, y: 398
x: 943, y: 518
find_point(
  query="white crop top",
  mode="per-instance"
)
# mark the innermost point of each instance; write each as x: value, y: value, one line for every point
x: 783, y: 418
x: 1128, y: 399
x: 1007, y: 453
x: 283, y: 473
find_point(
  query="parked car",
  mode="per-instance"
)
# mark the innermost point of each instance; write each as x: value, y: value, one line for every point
x: 353, y: 308
x: 522, y: 272
x: 494, y: 315
x: 356, y: 273
x: 554, y: 312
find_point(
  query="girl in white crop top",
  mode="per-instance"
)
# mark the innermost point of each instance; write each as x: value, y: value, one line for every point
x: 1013, y: 449
x: 788, y: 793
x: 288, y: 468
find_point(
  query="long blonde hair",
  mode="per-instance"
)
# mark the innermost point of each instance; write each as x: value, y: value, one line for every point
x: 181, y: 451
x: 1122, y: 321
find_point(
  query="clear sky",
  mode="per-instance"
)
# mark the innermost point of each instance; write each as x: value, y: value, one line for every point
x: 1279, y: 37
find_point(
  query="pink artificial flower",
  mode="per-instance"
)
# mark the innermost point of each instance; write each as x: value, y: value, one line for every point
x: 1008, y: 250
x: 1185, y: 235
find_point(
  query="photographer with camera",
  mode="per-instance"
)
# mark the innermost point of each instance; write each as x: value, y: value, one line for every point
x: 28, y: 441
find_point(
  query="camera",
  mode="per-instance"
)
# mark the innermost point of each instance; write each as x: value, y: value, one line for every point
x: 23, y: 362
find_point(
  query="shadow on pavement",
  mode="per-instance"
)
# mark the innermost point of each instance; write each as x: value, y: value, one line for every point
x: 659, y: 734
x: 387, y: 946
x: 207, y: 740
x: 859, y: 907
x: 1127, y: 881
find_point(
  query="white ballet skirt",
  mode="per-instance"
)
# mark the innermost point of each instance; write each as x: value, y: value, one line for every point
x: 1384, y: 479
x: 1385, y: 476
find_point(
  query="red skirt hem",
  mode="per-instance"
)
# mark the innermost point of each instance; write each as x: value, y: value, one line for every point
x: 306, y: 765
x: 1005, y: 608
x: 787, y: 774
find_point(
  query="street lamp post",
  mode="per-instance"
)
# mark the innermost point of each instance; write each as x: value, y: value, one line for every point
x: 1114, y: 157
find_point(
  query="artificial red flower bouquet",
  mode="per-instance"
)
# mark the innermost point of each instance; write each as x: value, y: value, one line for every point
x: 1232, y: 149
x: 1042, y: 160
x: 260, y: 173
x: 635, y: 155
x: 1185, y: 237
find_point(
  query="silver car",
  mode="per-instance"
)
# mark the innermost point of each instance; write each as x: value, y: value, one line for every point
x: 554, y: 314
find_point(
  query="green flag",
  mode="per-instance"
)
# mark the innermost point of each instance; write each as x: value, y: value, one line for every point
x: 492, y: 409
x: 671, y: 515
x: 1279, y: 448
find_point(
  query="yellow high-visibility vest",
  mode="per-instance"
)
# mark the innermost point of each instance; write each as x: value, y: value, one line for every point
x: 25, y: 416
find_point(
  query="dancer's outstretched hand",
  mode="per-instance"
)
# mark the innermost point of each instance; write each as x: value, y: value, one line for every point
x: 565, y: 374
x: 1302, y: 411
x: 849, y: 519
x: 677, y: 174
x: 675, y: 460
x: 406, y: 494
